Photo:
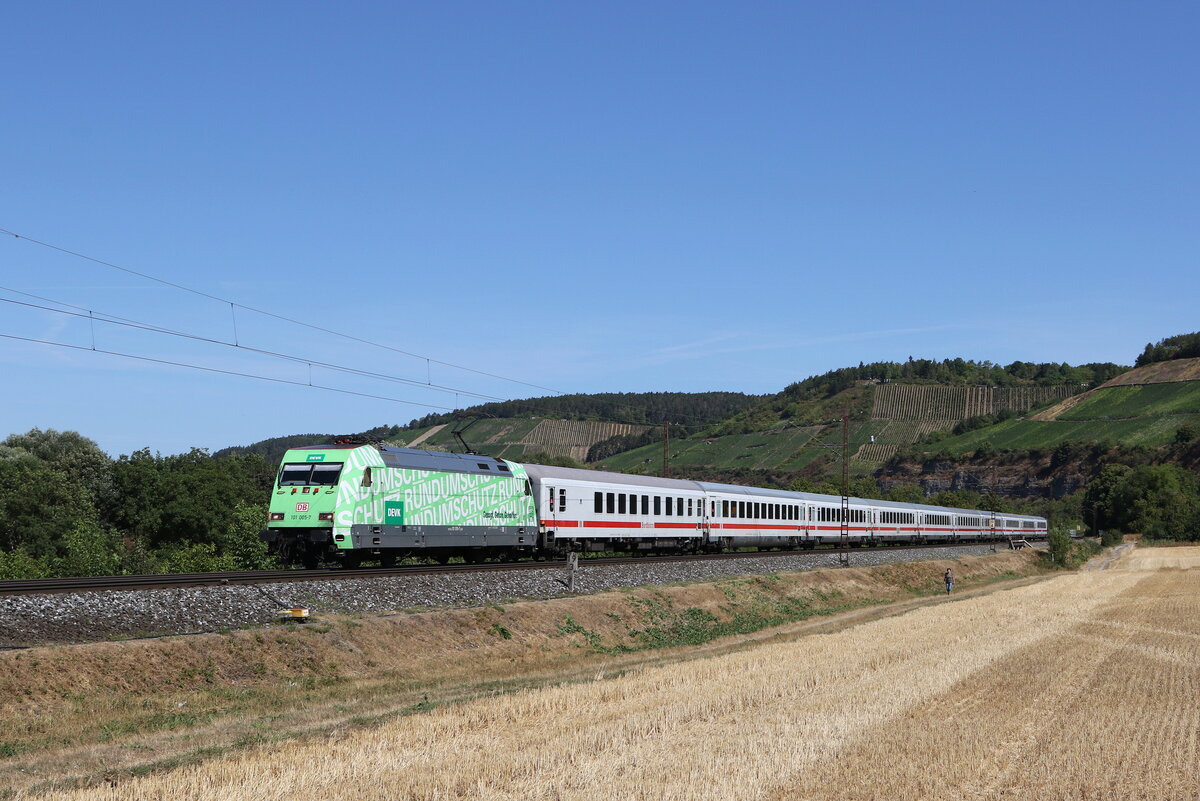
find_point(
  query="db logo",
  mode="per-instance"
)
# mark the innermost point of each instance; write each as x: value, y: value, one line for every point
x: 302, y: 507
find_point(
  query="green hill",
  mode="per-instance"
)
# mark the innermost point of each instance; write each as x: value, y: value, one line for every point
x: 1129, y: 414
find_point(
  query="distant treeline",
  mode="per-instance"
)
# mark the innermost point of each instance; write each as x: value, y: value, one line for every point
x: 638, y: 408
x: 67, y: 509
x: 953, y: 372
x: 1183, y: 346
x: 273, y: 449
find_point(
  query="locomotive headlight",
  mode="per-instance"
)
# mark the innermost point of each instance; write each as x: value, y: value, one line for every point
x: 276, y: 515
x: 325, y: 516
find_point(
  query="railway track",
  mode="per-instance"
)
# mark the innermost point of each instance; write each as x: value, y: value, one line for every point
x: 176, y: 580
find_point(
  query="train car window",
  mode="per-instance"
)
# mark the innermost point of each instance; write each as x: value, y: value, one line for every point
x: 599, y: 502
x: 689, y: 507
x: 632, y: 504
x: 645, y: 505
x: 620, y: 503
x: 670, y: 504
x: 482, y: 466
x: 679, y: 507
x: 610, y: 502
x: 658, y: 504
x: 562, y: 500
x: 503, y: 468
x: 724, y: 508
x: 366, y: 479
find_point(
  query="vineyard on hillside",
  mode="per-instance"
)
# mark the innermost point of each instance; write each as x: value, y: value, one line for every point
x: 515, y: 438
x: 941, y: 403
x: 573, y: 437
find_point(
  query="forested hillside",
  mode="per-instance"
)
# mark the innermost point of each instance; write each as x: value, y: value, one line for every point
x: 637, y: 408
x: 1183, y: 346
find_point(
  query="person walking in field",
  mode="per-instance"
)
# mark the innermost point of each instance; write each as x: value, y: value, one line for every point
x: 949, y: 579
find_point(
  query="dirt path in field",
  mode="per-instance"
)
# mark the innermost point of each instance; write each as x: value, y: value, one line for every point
x: 1080, y: 686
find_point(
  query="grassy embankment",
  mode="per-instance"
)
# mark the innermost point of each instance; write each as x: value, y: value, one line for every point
x: 120, y: 708
x: 1081, y: 686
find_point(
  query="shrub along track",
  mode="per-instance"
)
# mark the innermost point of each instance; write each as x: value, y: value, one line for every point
x: 115, y: 708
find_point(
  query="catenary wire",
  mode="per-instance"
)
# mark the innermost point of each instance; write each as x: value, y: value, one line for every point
x: 113, y: 319
x: 274, y: 315
x: 224, y: 372
x: 104, y: 317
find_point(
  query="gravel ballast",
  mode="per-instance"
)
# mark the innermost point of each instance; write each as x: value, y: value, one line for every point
x: 118, y: 614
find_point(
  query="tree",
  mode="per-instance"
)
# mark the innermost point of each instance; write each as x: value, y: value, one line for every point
x: 39, y: 505
x: 1165, y: 501
x: 907, y: 493
x: 1101, y: 505
x: 1157, y: 500
x: 1185, y: 433
x: 70, y: 453
x: 1060, y: 545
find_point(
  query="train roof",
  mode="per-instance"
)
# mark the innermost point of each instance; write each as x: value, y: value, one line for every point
x: 413, y: 459
x: 541, y: 471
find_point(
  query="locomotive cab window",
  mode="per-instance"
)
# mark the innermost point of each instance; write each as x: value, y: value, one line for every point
x: 301, y: 474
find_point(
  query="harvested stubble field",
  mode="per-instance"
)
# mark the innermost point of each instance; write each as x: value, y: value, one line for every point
x: 1079, y: 686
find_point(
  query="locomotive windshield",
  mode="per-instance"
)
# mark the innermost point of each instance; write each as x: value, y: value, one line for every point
x: 300, y: 474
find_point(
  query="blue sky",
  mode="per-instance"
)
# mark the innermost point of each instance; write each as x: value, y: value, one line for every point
x: 585, y: 197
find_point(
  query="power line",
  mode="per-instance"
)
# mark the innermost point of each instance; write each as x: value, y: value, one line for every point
x: 233, y: 305
x: 266, y: 313
x: 127, y: 322
x: 224, y: 372
x: 157, y: 329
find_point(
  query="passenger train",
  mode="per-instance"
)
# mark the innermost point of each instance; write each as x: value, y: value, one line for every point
x: 350, y: 503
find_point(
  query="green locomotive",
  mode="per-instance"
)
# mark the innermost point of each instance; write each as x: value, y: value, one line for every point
x: 352, y: 502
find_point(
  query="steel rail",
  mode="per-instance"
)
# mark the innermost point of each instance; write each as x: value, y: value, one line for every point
x: 47, y: 586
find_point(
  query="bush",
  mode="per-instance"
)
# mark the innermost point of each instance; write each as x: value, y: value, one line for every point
x: 19, y: 564
x: 1060, y: 546
x: 89, y: 551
